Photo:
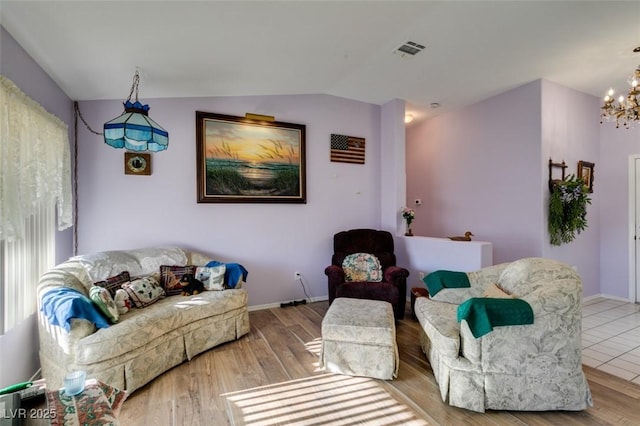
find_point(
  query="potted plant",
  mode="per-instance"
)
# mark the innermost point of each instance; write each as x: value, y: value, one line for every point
x: 408, y: 215
x: 567, y: 209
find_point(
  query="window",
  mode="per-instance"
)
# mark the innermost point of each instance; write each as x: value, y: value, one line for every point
x: 21, y: 264
x: 35, y: 177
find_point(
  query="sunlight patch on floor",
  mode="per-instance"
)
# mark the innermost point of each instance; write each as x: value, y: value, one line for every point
x: 328, y: 399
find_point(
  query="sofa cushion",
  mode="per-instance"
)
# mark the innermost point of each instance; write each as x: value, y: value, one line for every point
x: 167, y: 316
x: 362, y: 267
x: 524, y: 276
x: 102, y: 265
x: 438, y: 320
x: 102, y: 298
x: 494, y: 291
x: 170, y: 278
x: 113, y: 284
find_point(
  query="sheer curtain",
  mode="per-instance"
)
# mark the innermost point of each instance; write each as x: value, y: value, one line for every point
x: 35, y: 177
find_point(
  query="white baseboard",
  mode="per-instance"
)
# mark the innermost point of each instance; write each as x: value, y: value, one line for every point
x: 606, y: 296
x: 277, y: 305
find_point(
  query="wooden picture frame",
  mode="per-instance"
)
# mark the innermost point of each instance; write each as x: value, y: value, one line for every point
x: 585, y: 172
x: 244, y: 160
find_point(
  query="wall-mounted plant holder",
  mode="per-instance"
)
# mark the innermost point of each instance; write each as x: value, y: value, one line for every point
x: 553, y: 182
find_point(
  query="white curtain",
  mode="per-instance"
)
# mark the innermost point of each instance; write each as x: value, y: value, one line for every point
x: 34, y: 162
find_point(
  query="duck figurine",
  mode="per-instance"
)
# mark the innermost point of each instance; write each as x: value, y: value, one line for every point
x: 467, y: 237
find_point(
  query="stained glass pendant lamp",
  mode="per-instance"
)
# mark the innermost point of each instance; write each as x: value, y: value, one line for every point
x: 134, y: 129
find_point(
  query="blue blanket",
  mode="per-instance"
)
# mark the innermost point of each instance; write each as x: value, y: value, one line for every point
x: 438, y: 280
x: 232, y: 274
x: 61, y: 304
x: 482, y: 314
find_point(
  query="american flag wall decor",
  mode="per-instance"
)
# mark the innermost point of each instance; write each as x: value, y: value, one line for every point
x: 347, y: 149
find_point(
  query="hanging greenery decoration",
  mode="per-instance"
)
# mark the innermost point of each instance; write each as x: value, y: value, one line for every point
x: 568, y: 210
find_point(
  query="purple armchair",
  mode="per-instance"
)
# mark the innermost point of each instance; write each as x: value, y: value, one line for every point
x: 392, y: 288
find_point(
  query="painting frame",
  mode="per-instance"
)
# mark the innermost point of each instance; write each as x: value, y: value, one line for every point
x: 245, y: 160
x: 585, y: 172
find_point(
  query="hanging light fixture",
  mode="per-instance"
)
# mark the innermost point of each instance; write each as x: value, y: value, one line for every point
x: 134, y: 130
x: 624, y: 110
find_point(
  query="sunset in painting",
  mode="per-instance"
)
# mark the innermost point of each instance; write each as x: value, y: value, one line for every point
x: 251, y: 159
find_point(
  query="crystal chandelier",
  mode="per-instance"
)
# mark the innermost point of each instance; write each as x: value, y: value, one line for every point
x: 624, y: 110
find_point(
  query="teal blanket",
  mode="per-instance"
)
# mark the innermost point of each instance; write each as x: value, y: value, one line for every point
x: 438, y: 280
x: 482, y: 314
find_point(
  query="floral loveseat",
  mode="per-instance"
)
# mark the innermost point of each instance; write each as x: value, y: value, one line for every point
x: 145, y: 342
x: 531, y: 367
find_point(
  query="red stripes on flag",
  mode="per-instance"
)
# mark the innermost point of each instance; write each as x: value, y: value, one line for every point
x: 347, y: 149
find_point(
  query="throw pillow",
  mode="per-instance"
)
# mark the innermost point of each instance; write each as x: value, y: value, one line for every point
x: 143, y: 291
x: 212, y: 277
x: 362, y: 267
x: 112, y: 284
x: 170, y: 278
x: 102, y: 298
x: 495, y: 292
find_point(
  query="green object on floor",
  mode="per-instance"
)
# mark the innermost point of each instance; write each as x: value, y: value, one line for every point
x: 484, y: 313
x: 15, y: 388
x: 438, y: 280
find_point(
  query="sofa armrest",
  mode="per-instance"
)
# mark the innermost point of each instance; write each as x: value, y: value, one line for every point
x: 549, y: 346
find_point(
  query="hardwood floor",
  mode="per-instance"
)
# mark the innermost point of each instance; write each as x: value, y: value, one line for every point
x: 271, y: 377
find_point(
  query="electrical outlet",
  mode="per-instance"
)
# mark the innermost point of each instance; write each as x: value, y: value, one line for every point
x: 297, y: 275
x: 421, y: 275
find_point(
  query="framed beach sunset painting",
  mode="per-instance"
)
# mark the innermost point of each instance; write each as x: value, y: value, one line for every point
x: 244, y: 160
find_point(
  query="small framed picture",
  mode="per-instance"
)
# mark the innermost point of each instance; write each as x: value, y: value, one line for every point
x: 585, y: 171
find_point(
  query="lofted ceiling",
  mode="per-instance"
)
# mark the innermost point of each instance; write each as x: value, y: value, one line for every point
x: 474, y: 49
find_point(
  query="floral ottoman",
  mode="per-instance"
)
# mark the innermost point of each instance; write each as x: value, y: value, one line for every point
x: 359, y: 339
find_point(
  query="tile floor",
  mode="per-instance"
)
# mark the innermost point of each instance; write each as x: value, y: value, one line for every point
x: 611, y: 337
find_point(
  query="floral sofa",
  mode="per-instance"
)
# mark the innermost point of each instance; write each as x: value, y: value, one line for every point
x: 530, y: 367
x: 144, y: 342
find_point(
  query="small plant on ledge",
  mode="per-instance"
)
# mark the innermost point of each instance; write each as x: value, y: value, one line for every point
x: 408, y: 215
x: 567, y: 210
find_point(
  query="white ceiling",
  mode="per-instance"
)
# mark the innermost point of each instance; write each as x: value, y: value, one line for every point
x: 474, y: 49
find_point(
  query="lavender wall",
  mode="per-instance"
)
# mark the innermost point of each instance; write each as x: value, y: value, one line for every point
x: 570, y: 132
x: 19, y: 67
x: 478, y: 169
x: 118, y: 211
x: 611, y: 181
x: 484, y: 168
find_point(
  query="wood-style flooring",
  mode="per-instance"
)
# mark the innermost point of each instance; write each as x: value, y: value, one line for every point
x: 271, y: 377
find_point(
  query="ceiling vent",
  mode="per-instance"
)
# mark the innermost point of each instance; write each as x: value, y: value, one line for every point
x: 409, y: 48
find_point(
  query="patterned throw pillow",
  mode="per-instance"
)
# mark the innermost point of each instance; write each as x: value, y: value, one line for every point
x: 211, y: 276
x: 362, y: 267
x: 102, y: 298
x: 170, y: 278
x: 112, y: 284
x: 143, y: 291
